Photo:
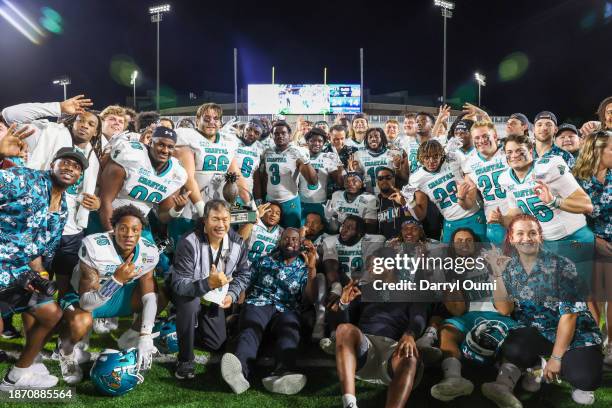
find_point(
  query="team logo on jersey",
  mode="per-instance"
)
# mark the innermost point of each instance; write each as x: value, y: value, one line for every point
x: 561, y: 169
x: 116, y: 153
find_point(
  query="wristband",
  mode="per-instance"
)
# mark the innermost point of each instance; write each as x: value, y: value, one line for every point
x: 554, y: 203
x: 336, y: 288
x: 411, y: 204
x: 200, y: 208
x: 44, y: 274
x: 110, y: 287
x: 175, y: 214
x: 342, y: 306
x: 556, y: 358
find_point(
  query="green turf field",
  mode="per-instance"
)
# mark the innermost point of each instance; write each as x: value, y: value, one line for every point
x: 161, y: 389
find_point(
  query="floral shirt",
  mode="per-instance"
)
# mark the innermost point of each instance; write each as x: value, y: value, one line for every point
x: 28, y: 228
x: 273, y: 282
x: 557, y: 151
x: 551, y: 290
x: 600, y: 220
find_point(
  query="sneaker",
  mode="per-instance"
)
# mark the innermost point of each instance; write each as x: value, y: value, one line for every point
x: 185, y: 370
x: 81, y: 356
x: 231, y: 371
x: 99, y: 326
x: 71, y: 371
x: 501, y: 395
x: 28, y: 379
x: 530, y: 382
x: 452, y: 387
x: 286, y: 383
x: 128, y: 339
x: 10, y: 332
x: 328, y: 345
x: 318, y: 331
x: 583, y: 397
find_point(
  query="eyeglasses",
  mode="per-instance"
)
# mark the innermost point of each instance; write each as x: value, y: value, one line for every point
x: 381, y: 178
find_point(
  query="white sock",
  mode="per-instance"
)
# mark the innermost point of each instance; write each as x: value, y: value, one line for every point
x: 451, y: 367
x: 347, y: 399
x: 17, y: 372
x: 508, y: 375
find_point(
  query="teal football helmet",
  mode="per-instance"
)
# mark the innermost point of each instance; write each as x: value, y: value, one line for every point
x: 167, y: 341
x: 114, y: 372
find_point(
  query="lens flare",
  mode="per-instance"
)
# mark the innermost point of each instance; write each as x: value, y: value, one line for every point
x: 51, y: 20
x: 121, y: 69
x: 513, y: 66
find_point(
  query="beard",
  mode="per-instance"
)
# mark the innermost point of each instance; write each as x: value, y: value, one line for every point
x: 289, y: 254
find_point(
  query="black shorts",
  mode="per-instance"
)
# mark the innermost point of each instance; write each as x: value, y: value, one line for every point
x: 67, y: 255
x: 18, y: 301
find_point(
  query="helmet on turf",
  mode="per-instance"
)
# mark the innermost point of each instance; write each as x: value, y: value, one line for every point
x: 167, y: 341
x: 114, y: 372
x: 484, y: 340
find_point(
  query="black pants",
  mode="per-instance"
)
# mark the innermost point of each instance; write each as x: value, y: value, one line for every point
x: 285, y: 326
x: 581, y: 367
x: 207, y: 324
x: 67, y: 254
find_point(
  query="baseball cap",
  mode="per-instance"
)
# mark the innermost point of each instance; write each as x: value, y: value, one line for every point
x: 74, y: 154
x: 567, y: 126
x: 546, y: 115
x: 162, y: 131
x: 520, y: 117
x: 256, y: 124
x: 463, y: 125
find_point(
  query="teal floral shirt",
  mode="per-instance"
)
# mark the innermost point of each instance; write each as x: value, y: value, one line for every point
x: 557, y: 151
x: 27, y: 228
x: 273, y: 282
x: 551, y: 290
x: 600, y: 220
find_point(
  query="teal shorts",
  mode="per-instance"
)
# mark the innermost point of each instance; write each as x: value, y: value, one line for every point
x: 119, y: 305
x: 477, y: 223
x: 292, y: 213
x: 496, y: 233
x: 308, y: 208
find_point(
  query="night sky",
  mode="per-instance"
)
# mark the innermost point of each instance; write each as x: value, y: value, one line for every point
x: 536, y: 55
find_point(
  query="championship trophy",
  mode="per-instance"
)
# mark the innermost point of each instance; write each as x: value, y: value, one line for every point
x: 239, y: 214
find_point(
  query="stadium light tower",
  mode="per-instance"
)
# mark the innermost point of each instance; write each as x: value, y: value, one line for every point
x: 481, y: 80
x: 157, y: 13
x: 133, y: 83
x: 447, y: 7
x: 63, y: 81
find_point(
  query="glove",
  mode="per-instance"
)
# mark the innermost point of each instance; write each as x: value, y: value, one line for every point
x: 453, y: 145
x: 329, y: 210
x: 146, y: 349
x: 228, y: 129
x: 408, y: 192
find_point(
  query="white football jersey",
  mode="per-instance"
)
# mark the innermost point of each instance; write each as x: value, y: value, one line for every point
x: 212, y: 161
x: 323, y: 163
x: 441, y: 188
x: 370, y: 163
x: 282, y: 172
x: 485, y: 174
x: 352, y: 143
x: 143, y: 186
x: 248, y: 158
x: 351, y: 258
x: 409, y: 146
x: 364, y: 205
x: 553, y: 171
x: 263, y: 241
x: 98, y: 252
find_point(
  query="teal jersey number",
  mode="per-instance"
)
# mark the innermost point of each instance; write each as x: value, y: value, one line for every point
x: 141, y: 193
x: 257, y: 250
x: 487, y: 185
x: 537, y: 208
x: 211, y: 163
x: 247, y: 167
x: 275, y: 174
x: 447, y: 197
x: 372, y: 171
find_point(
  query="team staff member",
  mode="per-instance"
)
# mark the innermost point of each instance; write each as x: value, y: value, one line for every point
x: 212, y: 260
x: 33, y: 213
x: 544, y: 293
